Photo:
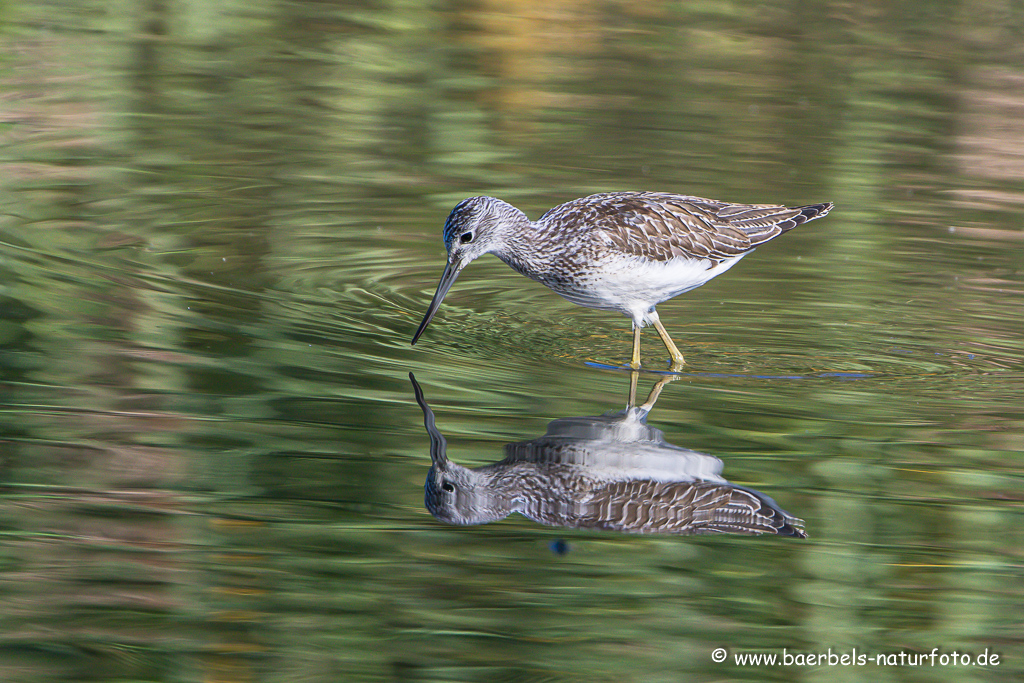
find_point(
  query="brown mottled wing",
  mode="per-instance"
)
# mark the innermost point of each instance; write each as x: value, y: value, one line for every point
x: 662, y: 226
x: 642, y: 506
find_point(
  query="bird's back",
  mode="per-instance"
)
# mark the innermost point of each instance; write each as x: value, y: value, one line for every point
x: 661, y: 226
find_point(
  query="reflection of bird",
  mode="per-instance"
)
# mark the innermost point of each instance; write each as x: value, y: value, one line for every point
x: 620, y: 251
x: 609, y: 472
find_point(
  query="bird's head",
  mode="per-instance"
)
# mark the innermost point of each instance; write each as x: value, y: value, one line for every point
x: 452, y: 493
x: 475, y: 226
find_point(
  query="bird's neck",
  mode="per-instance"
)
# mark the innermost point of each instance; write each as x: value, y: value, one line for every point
x: 519, y: 248
x: 490, y: 494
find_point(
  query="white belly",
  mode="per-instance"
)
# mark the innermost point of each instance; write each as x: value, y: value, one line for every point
x: 634, y: 286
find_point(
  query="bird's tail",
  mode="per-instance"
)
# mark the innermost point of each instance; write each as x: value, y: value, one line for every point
x: 807, y: 213
x: 763, y: 223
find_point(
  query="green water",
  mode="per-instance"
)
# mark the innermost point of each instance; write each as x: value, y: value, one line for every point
x: 221, y: 226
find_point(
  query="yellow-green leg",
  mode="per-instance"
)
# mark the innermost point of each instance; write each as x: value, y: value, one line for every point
x: 635, y: 362
x: 673, y: 350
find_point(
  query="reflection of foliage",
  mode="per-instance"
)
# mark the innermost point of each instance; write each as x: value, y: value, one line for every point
x: 220, y: 226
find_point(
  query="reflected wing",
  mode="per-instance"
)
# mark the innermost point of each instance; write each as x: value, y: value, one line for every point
x: 686, y: 508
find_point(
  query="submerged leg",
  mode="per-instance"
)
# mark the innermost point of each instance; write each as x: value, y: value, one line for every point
x: 635, y: 362
x: 656, y: 392
x: 677, y: 358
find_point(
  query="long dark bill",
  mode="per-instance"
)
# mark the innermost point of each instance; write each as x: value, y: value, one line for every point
x: 447, y: 280
x: 438, y: 444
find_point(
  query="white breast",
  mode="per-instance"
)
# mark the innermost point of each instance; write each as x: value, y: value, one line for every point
x: 633, y: 286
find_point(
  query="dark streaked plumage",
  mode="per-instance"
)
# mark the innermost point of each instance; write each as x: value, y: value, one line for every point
x: 660, y: 227
x: 610, y: 472
x: 617, y: 251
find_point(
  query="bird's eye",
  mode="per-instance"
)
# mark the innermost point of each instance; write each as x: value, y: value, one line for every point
x: 466, y: 237
x: 447, y: 486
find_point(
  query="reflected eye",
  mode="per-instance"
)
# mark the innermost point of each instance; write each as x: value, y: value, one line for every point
x: 447, y: 486
x: 466, y: 237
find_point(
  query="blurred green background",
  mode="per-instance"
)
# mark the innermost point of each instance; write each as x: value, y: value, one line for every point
x: 221, y: 224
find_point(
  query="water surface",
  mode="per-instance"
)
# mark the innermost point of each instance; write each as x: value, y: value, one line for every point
x: 221, y: 227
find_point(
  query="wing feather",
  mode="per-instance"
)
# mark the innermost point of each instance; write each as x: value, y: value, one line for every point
x: 660, y: 226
